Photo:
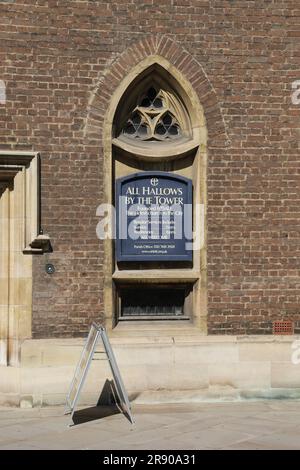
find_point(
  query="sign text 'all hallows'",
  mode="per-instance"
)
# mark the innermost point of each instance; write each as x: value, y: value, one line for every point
x: 154, y: 217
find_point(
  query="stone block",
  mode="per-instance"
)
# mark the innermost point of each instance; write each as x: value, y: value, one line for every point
x: 240, y: 375
x: 285, y: 375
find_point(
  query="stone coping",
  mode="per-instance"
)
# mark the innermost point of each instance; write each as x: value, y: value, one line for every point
x: 173, y: 336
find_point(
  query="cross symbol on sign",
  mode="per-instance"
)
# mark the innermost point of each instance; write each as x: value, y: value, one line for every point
x: 154, y: 181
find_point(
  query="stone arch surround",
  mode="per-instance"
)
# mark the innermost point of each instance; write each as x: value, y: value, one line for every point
x: 179, y: 58
x: 103, y: 103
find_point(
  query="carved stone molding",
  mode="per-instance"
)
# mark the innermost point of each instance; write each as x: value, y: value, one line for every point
x: 28, y: 164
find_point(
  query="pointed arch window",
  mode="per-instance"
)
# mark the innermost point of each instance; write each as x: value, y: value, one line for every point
x: 152, y: 119
x: 154, y: 123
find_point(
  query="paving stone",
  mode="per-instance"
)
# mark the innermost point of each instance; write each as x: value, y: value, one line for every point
x: 236, y: 425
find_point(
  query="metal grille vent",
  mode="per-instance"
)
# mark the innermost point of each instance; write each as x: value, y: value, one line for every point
x: 283, y: 327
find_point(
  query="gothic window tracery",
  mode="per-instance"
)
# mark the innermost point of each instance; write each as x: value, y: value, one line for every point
x: 156, y: 117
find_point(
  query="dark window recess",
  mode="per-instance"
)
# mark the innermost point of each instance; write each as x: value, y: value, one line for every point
x: 152, y: 302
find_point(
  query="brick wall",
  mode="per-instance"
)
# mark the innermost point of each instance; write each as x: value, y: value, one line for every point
x: 52, y: 56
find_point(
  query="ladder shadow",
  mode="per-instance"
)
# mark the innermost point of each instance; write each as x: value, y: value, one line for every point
x: 107, y: 405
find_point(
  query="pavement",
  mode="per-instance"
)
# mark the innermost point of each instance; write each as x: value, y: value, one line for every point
x: 272, y: 424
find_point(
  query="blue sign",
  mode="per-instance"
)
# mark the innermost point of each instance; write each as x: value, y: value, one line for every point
x: 154, y: 217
